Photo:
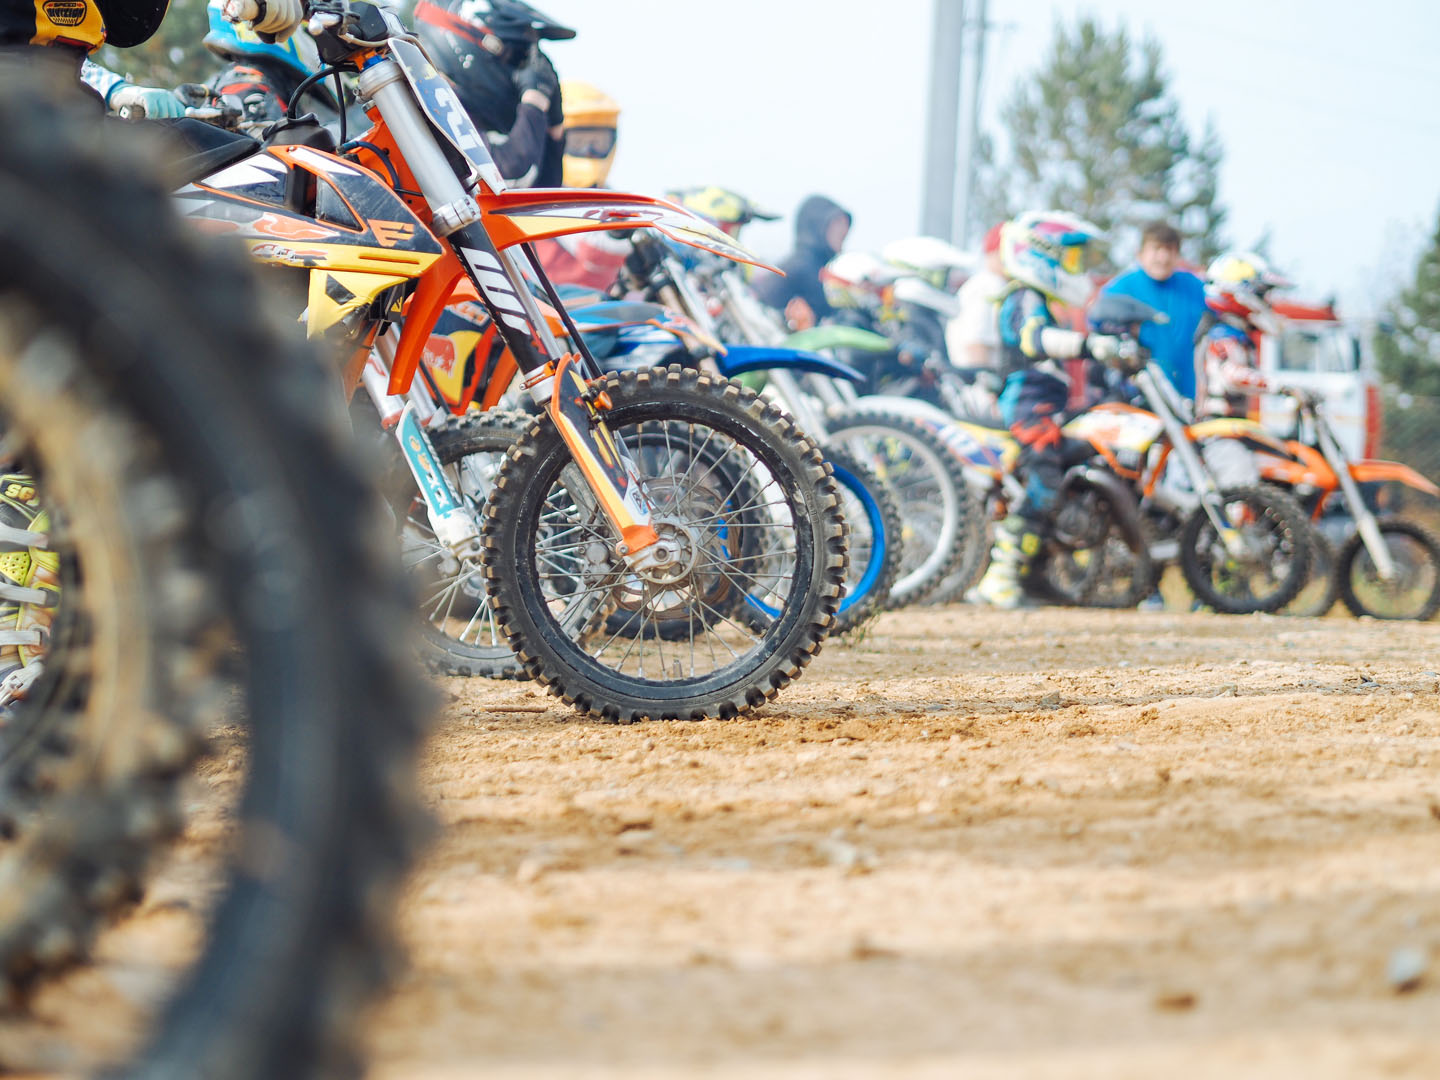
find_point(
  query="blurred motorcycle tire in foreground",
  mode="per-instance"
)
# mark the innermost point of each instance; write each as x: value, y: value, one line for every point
x: 220, y: 552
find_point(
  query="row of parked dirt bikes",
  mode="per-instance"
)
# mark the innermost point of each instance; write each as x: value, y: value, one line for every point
x: 655, y: 507
x: 639, y: 531
x: 1256, y: 522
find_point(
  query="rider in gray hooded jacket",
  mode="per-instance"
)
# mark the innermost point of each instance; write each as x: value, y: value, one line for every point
x: 820, y: 228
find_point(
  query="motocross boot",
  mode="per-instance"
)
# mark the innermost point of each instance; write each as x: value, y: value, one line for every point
x: 29, y: 587
x: 1016, y: 543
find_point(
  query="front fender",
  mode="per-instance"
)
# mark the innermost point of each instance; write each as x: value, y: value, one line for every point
x: 743, y: 359
x: 521, y: 215
x: 1370, y: 471
x: 831, y: 336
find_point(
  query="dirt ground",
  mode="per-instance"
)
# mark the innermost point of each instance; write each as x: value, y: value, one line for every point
x: 1039, y: 844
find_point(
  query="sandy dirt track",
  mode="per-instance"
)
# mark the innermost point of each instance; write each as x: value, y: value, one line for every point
x: 1051, y: 843
x: 1040, y: 844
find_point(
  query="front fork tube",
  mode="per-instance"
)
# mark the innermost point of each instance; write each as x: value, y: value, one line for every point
x: 1365, y: 522
x: 561, y: 391
x: 451, y: 519
x: 1200, y: 478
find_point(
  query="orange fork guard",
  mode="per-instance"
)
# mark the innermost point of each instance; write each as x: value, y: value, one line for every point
x: 636, y: 536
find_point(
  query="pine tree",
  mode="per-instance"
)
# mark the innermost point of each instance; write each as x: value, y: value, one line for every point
x: 1408, y: 353
x: 1097, y: 132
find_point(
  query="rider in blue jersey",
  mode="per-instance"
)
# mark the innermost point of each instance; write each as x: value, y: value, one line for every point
x: 1158, y: 281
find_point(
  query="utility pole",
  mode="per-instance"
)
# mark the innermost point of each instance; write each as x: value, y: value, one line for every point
x: 972, y: 142
x: 942, y: 122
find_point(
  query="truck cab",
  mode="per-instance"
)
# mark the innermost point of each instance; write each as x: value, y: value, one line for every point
x: 1316, y: 350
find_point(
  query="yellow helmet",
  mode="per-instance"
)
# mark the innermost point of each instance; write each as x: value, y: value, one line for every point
x: 727, y: 209
x: 592, y: 118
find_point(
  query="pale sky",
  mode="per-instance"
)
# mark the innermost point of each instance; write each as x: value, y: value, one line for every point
x: 1329, y: 110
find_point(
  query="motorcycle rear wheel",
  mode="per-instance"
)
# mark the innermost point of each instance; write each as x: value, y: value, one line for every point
x: 1271, y: 520
x: 1416, y: 592
x: 1322, y: 584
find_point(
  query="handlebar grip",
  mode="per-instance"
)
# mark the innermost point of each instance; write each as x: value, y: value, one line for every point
x: 132, y: 112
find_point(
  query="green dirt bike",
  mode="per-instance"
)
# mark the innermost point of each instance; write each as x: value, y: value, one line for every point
x: 214, y: 545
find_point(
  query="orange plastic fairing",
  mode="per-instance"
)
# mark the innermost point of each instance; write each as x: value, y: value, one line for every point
x: 1369, y: 471
x: 1299, y: 464
x: 434, y: 289
x: 520, y: 215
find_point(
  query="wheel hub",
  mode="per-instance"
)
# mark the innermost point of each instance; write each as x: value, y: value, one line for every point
x: 673, y: 557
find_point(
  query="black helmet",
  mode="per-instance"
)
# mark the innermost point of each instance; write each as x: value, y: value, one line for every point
x: 478, y: 44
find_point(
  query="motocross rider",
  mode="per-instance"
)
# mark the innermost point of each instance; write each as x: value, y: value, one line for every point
x: 592, y: 125
x: 1043, y: 254
x: 727, y: 210
x: 1237, y: 289
x: 263, y: 74
x: 821, y: 226
x: 489, y: 49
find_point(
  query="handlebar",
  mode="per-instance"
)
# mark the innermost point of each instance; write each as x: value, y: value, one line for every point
x: 1303, y: 395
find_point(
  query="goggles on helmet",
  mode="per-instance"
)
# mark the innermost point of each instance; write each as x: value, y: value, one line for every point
x: 589, y: 142
x: 1072, y: 258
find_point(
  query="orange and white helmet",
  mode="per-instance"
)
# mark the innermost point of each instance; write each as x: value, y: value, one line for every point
x: 1240, y: 283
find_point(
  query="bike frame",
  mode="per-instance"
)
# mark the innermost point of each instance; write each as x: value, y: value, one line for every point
x: 1343, y: 475
x: 445, y: 174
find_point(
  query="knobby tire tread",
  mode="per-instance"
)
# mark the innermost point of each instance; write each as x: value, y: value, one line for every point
x: 877, y: 596
x: 639, y: 393
x: 277, y: 542
x: 967, y: 530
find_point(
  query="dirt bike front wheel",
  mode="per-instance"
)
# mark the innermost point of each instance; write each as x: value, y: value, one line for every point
x: 745, y: 501
x: 1414, y: 591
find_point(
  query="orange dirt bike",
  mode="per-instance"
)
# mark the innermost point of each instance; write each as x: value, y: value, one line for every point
x: 1243, y: 546
x: 1384, y: 567
x: 647, y: 494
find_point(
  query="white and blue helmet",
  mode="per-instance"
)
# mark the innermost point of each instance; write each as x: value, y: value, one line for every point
x: 231, y: 41
x: 1046, y: 250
